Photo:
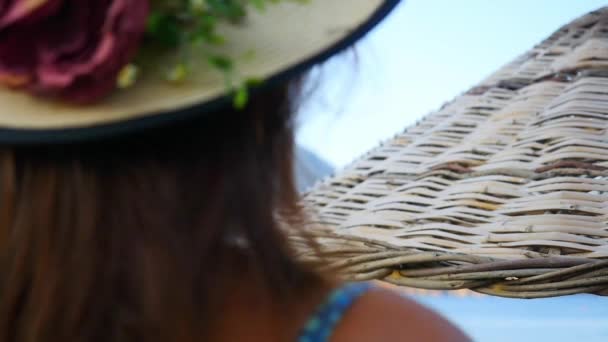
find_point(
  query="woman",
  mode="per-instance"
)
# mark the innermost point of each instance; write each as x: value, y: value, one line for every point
x: 125, y: 223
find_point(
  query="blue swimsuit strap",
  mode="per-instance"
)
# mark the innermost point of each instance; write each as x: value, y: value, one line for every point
x: 322, y: 324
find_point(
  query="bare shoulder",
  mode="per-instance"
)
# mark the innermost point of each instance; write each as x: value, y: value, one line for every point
x: 383, y: 315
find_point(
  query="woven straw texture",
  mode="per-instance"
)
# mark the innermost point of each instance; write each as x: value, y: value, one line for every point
x: 503, y: 190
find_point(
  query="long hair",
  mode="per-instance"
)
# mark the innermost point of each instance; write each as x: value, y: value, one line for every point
x: 127, y: 239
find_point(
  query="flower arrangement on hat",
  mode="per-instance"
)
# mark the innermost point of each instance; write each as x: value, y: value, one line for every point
x: 80, y: 51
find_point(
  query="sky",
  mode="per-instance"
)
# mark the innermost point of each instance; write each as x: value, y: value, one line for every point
x: 495, y: 319
x: 426, y: 53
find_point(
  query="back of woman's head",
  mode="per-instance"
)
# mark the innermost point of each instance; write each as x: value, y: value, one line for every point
x: 133, y: 238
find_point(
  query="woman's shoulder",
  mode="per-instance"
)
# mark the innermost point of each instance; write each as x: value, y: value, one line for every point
x: 384, y: 315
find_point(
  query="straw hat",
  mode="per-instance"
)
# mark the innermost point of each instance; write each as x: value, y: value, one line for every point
x: 286, y: 38
x: 503, y: 190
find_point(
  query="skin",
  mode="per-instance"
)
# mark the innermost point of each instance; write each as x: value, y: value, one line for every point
x: 379, y: 315
x: 383, y: 315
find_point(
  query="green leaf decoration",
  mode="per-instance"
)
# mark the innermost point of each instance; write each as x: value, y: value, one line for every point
x: 182, y: 25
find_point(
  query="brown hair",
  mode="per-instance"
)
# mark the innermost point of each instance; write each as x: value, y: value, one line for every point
x: 124, y: 240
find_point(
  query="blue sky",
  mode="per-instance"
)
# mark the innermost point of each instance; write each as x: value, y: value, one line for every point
x: 426, y: 53
x: 494, y: 319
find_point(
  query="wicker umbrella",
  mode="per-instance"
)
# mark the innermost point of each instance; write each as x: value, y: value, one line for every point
x: 504, y: 190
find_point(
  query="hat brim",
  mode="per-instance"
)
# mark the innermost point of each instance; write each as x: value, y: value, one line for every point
x: 275, y: 45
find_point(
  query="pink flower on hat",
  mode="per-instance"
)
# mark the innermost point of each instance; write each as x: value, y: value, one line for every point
x: 71, y: 49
